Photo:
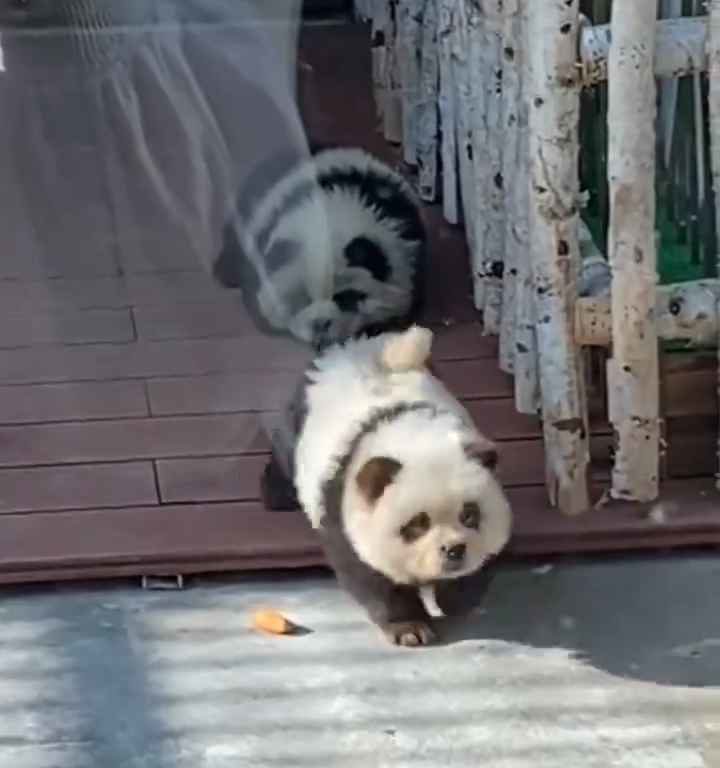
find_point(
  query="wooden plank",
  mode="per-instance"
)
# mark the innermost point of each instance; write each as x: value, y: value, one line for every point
x: 150, y: 359
x: 499, y: 419
x: 137, y: 536
x: 201, y: 538
x: 238, y: 478
x: 63, y: 294
x: 474, y: 378
x: 463, y: 341
x: 691, y: 446
x: 689, y: 386
x: 72, y: 402
x: 192, y: 321
x: 75, y: 293
x: 217, y: 479
x: 124, y: 440
x: 76, y: 487
x: 169, y: 288
x: 260, y: 391
x: 28, y: 328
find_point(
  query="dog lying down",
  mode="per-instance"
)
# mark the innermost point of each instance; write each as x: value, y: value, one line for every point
x: 392, y: 472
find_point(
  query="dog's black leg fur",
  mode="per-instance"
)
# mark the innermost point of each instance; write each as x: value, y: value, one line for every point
x: 458, y: 597
x: 396, y: 609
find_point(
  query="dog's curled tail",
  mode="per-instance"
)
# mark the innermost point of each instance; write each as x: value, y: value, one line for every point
x: 407, y: 351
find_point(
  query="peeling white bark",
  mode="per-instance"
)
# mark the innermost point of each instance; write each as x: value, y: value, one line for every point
x: 448, y: 110
x: 713, y: 51
x: 680, y: 48
x: 633, y: 371
x: 379, y: 22
x: 553, y: 127
x: 393, y: 106
x: 511, y: 95
x: 427, y: 114
x: 467, y: 83
x: 479, y: 152
x: 527, y: 378
x: 494, y: 240
x: 409, y: 33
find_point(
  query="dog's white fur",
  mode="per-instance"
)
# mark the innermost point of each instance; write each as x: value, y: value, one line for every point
x: 437, y: 475
x: 322, y: 224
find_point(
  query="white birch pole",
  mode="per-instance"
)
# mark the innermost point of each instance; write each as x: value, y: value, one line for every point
x: 511, y: 51
x: 409, y: 47
x: 448, y: 109
x: 494, y: 245
x: 393, y: 109
x: 467, y: 83
x: 427, y: 131
x: 480, y: 153
x: 633, y: 371
x: 380, y: 11
x: 527, y: 377
x: 553, y: 126
x: 714, y: 99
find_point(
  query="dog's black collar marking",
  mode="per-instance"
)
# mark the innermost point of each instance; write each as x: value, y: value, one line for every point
x: 333, y: 488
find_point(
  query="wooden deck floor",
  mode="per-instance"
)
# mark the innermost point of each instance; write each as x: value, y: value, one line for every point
x: 132, y: 407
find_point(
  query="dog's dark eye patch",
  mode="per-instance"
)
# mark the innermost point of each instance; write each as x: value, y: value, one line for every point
x: 470, y: 515
x: 415, y: 528
x: 349, y: 300
x: 362, y: 252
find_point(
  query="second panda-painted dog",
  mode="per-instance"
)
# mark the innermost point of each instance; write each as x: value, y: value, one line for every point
x: 331, y: 248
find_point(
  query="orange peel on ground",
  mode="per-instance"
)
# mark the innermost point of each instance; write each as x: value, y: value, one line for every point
x: 273, y: 623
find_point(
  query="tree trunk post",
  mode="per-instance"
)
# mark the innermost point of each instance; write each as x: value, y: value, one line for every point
x: 554, y: 200
x: 448, y: 109
x: 510, y: 131
x: 713, y: 50
x: 427, y: 116
x: 527, y: 377
x: 633, y: 370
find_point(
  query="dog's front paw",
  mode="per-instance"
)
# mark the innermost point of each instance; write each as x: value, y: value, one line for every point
x: 409, y: 634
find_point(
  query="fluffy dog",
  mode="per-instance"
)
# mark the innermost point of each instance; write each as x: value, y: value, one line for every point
x: 392, y: 472
x: 327, y: 249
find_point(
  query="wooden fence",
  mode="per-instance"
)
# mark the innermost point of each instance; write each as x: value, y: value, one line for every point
x: 484, y: 96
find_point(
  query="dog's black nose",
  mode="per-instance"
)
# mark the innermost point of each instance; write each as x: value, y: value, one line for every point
x: 455, y: 553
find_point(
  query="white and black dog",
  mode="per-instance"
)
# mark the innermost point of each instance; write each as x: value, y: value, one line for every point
x: 327, y: 249
x: 391, y: 470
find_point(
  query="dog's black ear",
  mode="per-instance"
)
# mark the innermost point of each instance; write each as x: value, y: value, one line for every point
x: 375, y: 476
x: 483, y: 451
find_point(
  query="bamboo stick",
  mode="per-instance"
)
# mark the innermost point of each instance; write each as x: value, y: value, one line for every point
x: 553, y: 127
x: 633, y: 371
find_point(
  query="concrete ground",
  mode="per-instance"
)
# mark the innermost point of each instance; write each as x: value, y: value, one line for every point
x: 604, y: 663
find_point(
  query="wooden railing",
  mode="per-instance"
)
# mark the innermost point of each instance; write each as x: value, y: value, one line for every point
x: 484, y: 96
